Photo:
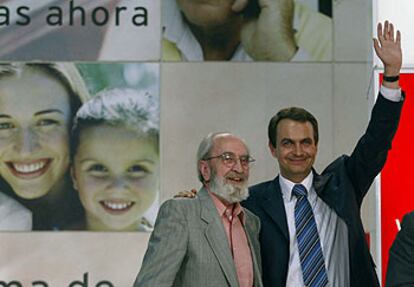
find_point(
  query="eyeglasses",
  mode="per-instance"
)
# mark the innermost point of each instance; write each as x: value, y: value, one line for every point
x: 230, y: 159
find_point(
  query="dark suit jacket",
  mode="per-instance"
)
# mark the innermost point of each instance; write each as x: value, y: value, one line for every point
x: 342, y: 186
x: 401, y: 263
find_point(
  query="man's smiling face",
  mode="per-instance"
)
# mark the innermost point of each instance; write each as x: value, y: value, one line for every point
x: 227, y: 176
x: 295, y: 149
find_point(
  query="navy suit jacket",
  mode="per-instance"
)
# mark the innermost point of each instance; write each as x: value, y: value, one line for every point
x: 401, y: 263
x: 342, y: 186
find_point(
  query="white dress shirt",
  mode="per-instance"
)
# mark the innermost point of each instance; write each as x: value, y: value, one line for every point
x: 393, y: 95
x: 333, y: 235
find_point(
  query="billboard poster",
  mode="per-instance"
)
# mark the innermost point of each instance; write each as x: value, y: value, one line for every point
x: 287, y: 31
x: 80, y: 30
x: 79, y: 156
x: 79, y: 145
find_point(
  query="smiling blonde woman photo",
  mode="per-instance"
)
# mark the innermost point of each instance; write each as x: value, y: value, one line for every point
x: 37, y: 104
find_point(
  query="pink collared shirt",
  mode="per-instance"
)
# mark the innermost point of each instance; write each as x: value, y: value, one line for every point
x: 233, y: 219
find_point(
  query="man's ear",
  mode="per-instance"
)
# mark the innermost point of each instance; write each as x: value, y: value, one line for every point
x: 205, y: 170
x: 272, y: 149
x: 73, y: 176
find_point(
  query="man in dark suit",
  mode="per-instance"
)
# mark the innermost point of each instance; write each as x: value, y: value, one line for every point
x: 401, y: 263
x: 312, y: 233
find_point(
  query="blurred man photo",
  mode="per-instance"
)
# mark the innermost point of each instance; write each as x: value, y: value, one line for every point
x: 245, y: 30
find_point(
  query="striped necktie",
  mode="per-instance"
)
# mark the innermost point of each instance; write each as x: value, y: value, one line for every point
x: 310, y: 251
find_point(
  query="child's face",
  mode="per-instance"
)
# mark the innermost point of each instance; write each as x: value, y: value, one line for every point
x: 116, y: 174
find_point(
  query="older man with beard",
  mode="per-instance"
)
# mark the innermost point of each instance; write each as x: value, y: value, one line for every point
x: 210, y: 240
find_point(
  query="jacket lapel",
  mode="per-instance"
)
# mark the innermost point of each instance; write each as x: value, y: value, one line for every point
x: 254, y: 250
x: 216, y: 237
x: 327, y: 190
x: 319, y: 182
x: 272, y: 203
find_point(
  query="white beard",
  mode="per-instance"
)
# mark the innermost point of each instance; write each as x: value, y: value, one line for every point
x: 227, y: 191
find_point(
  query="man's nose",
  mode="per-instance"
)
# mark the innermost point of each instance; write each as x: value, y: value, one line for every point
x: 298, y: 150
x: 238, y: 166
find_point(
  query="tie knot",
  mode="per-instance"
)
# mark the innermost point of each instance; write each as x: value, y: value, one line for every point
x: 299, y: 190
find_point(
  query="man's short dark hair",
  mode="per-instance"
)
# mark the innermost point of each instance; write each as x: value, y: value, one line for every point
x: 294, y: 114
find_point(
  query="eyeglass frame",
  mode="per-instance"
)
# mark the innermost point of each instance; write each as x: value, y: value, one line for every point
x: 236, y: 158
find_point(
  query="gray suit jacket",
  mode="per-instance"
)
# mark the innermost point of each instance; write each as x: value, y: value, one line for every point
x: 189, y: 247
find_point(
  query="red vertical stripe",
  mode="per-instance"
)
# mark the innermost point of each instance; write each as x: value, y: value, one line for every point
x: 397, y: 177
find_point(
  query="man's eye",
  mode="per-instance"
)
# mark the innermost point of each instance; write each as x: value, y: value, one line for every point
x: 227, y: 157
x: 307, y: 142
x: 6, y: 126
x: 244, y: 160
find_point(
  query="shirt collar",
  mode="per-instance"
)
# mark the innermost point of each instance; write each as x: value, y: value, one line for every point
x: 286, y: 185
x: 222, y: 208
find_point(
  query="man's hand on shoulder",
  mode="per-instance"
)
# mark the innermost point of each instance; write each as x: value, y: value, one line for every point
x: 186, y: 194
